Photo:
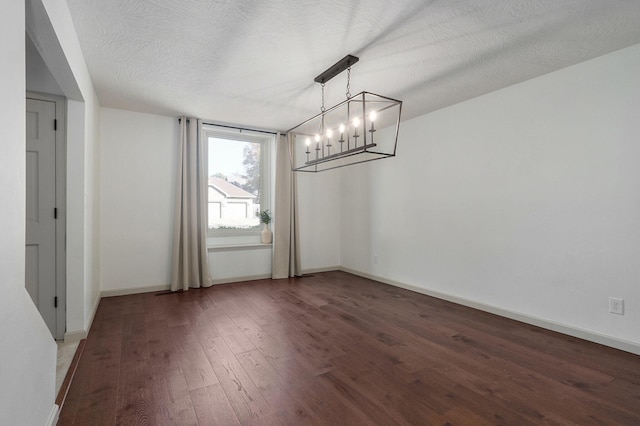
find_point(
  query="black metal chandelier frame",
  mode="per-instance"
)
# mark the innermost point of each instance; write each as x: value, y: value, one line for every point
x: 358, y: 108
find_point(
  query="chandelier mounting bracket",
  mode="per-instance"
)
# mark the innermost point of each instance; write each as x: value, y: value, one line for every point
x: 336, y: 69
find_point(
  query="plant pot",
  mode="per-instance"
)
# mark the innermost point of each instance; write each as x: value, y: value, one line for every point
x: 266, y: 237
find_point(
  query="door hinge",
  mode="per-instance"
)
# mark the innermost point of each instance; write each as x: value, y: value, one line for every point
x: 55, y: 302
x: 55, y: 212
x: 55, y: 124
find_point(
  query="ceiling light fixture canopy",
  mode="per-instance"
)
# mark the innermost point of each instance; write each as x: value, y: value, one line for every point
x: 362, y: 128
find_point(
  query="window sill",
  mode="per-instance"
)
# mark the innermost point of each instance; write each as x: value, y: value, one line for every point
x: 234, y: 247
x: 233, y: 233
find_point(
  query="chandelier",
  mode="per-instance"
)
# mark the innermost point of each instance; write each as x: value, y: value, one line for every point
x: 362, y: 128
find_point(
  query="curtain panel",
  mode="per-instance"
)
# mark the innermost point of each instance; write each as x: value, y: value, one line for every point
x: 286, y: 244
x: 190, y: 260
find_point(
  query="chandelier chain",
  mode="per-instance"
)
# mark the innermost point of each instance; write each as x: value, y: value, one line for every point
x: 322, y: 107
x: 348, y: 83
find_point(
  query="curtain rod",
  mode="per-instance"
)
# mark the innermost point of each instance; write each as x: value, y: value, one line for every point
x: 239, y: 128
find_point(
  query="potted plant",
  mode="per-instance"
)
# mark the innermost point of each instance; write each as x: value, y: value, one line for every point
x: 265, y: 217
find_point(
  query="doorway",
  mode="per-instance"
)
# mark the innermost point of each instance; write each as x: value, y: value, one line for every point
x: 45, y: 209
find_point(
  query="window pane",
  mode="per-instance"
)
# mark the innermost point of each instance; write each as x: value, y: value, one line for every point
x: 234, y: 184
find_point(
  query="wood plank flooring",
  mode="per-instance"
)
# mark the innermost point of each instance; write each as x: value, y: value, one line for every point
x: 336, y: 349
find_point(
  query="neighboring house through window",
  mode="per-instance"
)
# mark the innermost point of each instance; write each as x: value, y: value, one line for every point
x: 230, y: 206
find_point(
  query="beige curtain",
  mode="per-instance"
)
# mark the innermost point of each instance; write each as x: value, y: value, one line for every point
x: 286, y: 246
x: 190, y: 261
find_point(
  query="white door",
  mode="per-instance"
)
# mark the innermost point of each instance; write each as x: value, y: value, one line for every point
x: 40, y: 277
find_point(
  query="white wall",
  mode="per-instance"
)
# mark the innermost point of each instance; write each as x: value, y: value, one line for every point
x: 240, y: 264
x: 39, y: 78
x: 526, y: 199
x: 91, y: 208
x: 27, y: 361
x: 320, y: 219
x: 75, y: 218
x: 50, y: 27
x: 138, y: 166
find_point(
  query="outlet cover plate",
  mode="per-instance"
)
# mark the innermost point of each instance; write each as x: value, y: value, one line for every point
x: 616, y: 305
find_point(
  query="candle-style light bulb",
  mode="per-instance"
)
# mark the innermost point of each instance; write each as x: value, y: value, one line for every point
x: 356, y: 123
x: 317, y: 138
x: 307, y: 142
x: 341, y: 130
x: 341, y: 140
x: 372, y: 118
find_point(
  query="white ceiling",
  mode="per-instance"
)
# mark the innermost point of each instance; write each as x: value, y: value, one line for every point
x: 252, y: 62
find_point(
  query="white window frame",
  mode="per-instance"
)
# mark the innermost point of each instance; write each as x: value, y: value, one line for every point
x: 216, y: 237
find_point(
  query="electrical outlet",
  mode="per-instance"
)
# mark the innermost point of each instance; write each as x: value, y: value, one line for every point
x: 375, y: 258
x: 616, y: 305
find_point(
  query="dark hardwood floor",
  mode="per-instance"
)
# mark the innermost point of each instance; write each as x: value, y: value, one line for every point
x: 336, y: 349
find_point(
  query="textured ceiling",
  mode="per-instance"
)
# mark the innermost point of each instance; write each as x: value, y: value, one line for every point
x: 253, y: 62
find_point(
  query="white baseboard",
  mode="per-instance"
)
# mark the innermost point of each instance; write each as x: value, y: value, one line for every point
x: 165, y: 287
x: 580, y: 333
x: 53, y: 416
x: 136, y: 290
x: 94, y: 309
x: 240, y: 279
x: 319, y: 270
x: 77, y: 335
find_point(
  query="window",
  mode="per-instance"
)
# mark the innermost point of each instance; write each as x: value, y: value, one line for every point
x: 239, y: 176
